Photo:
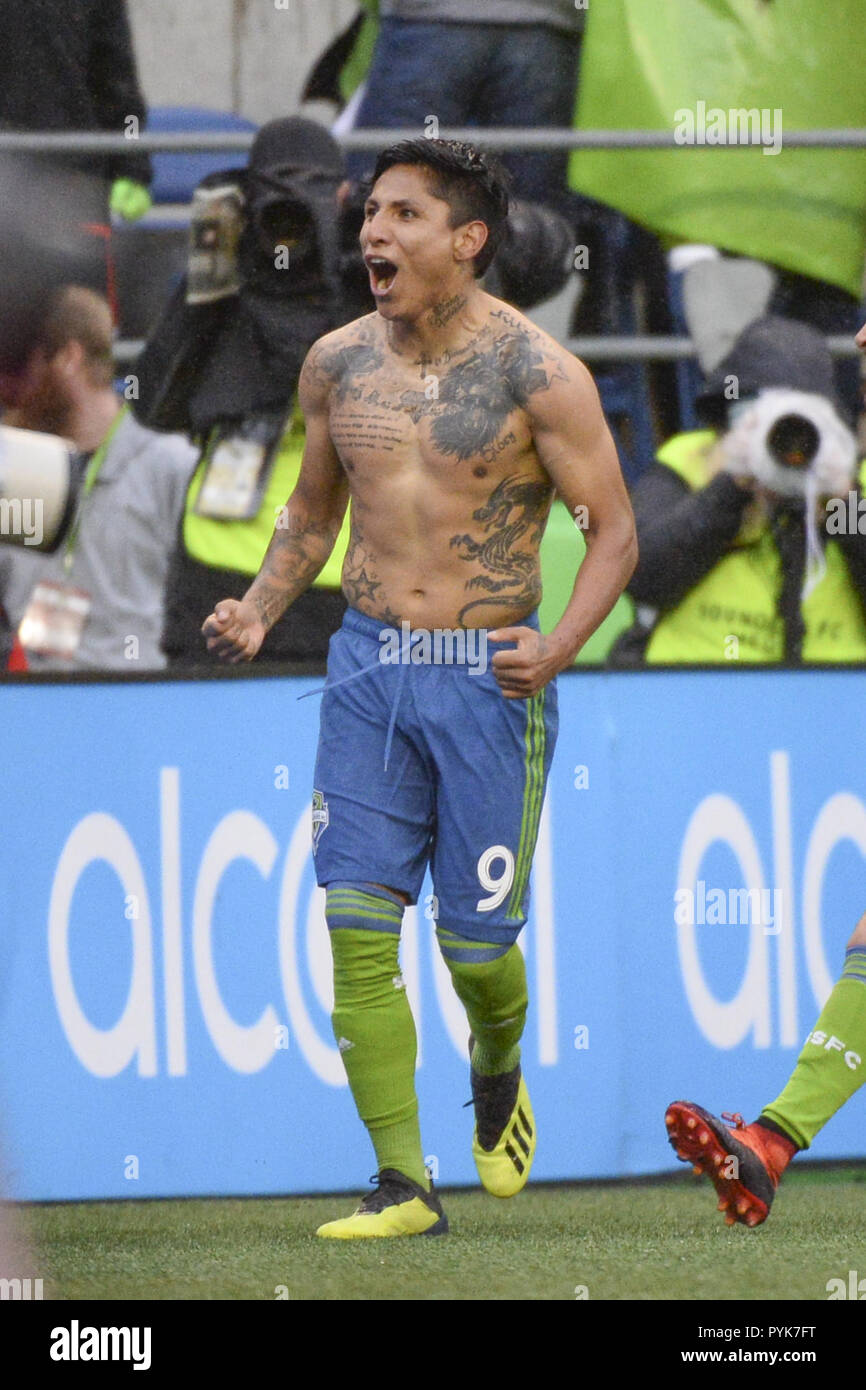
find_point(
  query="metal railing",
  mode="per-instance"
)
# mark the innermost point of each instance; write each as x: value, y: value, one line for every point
x: 502, y: 138
x: 593, y: 349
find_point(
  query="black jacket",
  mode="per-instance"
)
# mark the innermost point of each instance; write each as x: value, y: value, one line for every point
x: 69, y: 65
x: 236, y: 361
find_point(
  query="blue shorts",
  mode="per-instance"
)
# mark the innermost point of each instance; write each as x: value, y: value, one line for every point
x: 464, y: 783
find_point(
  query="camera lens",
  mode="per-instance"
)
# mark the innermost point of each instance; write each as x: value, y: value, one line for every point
x: 793, y: 441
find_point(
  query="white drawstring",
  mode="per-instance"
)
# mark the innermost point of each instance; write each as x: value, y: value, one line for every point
x: 816, y: 562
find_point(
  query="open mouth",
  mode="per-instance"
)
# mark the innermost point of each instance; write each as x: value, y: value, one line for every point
x: 382, y: 274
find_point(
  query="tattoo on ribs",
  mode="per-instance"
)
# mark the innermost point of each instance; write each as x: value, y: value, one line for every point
x: 516, y: 509
x: 360, y: 585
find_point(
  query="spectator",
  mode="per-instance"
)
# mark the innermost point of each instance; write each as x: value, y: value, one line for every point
x: 97, y: 603
x: 740, y: 558
x: 476, y: 62
x: 71, y: 67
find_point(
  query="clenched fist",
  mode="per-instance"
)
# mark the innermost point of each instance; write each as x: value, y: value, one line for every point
x: 234, y: 630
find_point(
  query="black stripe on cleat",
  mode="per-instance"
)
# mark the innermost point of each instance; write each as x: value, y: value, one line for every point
x: 520, y: 1139
x: 514, y: 1159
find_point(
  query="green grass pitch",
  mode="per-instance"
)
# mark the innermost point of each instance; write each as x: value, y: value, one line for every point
x: 617, y: 1241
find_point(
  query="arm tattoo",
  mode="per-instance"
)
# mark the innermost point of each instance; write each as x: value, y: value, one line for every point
x: 294, y: 557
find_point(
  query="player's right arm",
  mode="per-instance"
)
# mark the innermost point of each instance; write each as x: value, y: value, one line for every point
x: 305, y: 533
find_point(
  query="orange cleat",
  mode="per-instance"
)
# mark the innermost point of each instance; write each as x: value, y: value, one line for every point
x: 744, y: 1164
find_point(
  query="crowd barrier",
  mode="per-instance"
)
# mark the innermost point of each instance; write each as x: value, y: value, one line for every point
x: 164, y: 964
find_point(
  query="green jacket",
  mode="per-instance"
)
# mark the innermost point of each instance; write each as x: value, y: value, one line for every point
x: 241, y: 545
x: 732, y: 613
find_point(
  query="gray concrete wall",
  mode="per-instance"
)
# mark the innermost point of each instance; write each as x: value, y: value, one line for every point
x: 248, y: 56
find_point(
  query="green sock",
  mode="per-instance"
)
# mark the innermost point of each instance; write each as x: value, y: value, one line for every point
x: 494, y: 995
x: 831, y: 1067
x: 375, y: 1032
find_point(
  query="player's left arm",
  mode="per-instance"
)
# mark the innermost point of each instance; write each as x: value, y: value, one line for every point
x: 575, y: 447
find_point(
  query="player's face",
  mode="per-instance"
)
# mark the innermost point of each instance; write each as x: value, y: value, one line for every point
x: 408, y: 245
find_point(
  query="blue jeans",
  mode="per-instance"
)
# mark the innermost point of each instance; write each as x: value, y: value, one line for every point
x: 474, y: 75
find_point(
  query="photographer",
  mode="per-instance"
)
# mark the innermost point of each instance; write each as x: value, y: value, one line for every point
x: 739, y: 559
x: 263, y: 283
x: 93, y: 600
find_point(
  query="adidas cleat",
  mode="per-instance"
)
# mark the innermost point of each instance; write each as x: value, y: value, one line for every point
x: 397, y: 1207
x: 743, y: 1164
x: 503, y: 1144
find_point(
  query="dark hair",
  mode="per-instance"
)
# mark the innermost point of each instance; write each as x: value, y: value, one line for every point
x: 473, y: 184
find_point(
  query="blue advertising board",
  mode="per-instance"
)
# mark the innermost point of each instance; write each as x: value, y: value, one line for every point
x: 164, y: 962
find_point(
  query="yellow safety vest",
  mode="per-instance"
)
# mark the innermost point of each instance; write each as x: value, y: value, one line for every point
x: 738, y: 599
x: 241, y: 545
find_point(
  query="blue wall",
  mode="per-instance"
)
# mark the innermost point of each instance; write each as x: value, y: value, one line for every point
x: 164, y: 965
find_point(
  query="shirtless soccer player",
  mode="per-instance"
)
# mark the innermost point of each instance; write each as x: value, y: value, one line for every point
x: 746, y: 1163
x: 450, y: 421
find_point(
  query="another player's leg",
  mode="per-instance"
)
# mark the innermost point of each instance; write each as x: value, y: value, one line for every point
x: 490, y: 982
x: 375, y: 1033
x: 746, y: 1163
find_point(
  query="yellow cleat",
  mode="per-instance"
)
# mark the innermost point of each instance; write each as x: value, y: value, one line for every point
x: 398, y: 1207
x: 503, y: 1145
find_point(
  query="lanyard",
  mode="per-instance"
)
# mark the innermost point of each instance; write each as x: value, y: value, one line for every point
x: 97, y: 459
